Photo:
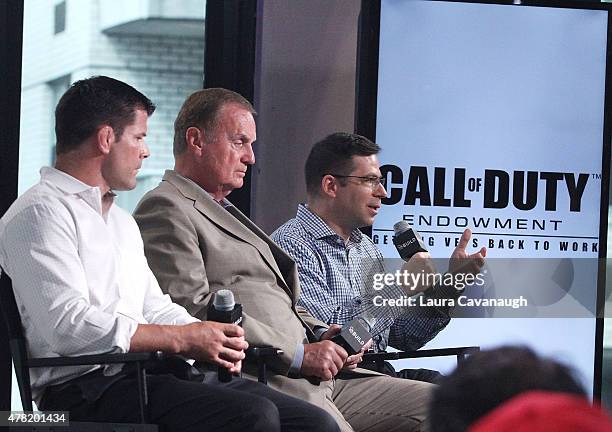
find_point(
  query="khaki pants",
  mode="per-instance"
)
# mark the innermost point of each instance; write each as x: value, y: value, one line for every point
x: 378, y: 403
x: 362, y: 401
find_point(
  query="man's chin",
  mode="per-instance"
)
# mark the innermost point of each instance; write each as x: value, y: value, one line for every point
x: 237, y: 184
x: 125, y: 186
x: 228, y: 188
x: 368, y: 222
x: 364, y: 223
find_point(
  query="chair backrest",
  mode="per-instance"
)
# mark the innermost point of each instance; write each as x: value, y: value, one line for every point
x: 19, y: 354
x: 17, y: 343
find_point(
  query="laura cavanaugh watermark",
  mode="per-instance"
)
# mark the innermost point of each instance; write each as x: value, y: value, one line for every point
x: 423, y: 301
x: 515, y: 287
x: 412, y: 281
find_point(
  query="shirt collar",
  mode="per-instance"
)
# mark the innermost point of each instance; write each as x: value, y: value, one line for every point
x: 64, y: 181
x: 316, y: 226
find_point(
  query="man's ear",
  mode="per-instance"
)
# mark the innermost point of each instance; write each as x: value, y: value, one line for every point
x: 194, y: 137
x: 329, y: 186
x: 105, y: 138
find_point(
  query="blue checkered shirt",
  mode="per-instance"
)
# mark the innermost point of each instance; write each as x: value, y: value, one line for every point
x: 335, y: 283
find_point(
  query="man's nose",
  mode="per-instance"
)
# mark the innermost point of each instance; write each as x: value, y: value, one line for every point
x: 380, y: 191
x: 145, y: 151
x: 248, y: 156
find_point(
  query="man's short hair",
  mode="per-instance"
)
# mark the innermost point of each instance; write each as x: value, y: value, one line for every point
x: 94, y: 102
x: 487, y: 379
x: 333, y: 155
x: 201, y: 109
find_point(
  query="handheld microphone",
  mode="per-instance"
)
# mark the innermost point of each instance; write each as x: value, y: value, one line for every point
x: 354, y: 335
x: 224, y: 309
x: 407, y: 241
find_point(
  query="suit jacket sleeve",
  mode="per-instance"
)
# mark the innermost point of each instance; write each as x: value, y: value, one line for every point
x: 173, y: 248
x: 173, y: 253
x: 310, y: 321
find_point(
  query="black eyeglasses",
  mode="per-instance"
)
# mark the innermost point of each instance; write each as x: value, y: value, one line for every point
x: 373, y: 181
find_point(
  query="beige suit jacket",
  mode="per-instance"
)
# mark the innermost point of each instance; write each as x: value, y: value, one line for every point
x: 196, y: 247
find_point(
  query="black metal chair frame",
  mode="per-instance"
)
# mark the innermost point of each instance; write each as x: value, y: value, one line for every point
x: 17, y: 346
x: 22, y: 363
x: 261, y: 354
x: 379, y: 358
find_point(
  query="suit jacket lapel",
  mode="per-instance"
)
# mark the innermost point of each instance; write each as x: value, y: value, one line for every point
x: 282, y: 263
x: 267, y: 251
x: 275, y: 256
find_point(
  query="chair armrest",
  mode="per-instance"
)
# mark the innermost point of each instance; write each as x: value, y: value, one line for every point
x: 460, y: 352
x: 95, y: 359
x: 261, y: 354
x: 137, y: 357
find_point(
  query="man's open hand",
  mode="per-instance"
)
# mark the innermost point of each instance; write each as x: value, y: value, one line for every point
x: 461, y: 262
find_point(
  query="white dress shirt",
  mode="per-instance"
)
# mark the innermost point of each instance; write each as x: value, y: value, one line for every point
x: 81, y: 281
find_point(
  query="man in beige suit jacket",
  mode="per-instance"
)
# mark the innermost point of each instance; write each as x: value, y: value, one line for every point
x: 197, y: 243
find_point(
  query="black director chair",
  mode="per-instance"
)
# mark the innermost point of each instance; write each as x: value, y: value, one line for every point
x: 22, y: 363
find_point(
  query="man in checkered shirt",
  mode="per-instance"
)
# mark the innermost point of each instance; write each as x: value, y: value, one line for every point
x: 336, y: 261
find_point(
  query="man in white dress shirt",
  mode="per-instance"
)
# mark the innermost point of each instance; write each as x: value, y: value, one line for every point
x: 83, y: 286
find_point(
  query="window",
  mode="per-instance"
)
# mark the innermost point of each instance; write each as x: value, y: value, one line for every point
x: 162, y: 55
x: 59, y: 16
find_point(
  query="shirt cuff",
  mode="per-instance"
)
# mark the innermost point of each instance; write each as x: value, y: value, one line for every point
x: 318, y: 331
x: 126, y: 327
x: 446, y: 291
x: 296, y: 364
x: 443, y: 292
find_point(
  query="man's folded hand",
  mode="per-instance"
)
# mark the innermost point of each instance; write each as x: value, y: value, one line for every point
x: 421, y: 264
x: 352, y: 362
x: 323, y: 360
x: 213, y: 342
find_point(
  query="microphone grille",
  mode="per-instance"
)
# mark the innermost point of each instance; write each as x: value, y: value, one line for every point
x: 224, y: 300
x: 401, y: 227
